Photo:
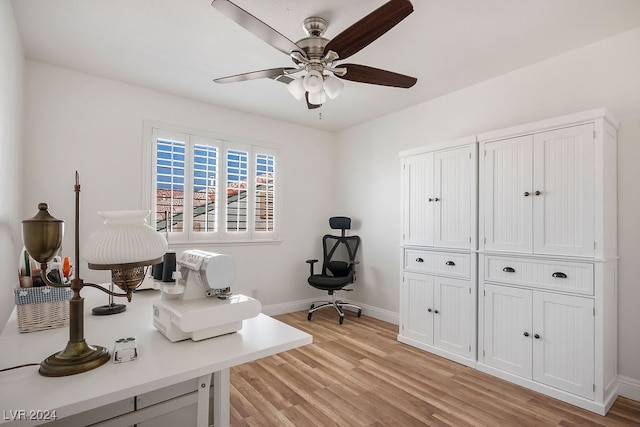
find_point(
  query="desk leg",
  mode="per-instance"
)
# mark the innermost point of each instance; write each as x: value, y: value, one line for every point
x: 204, y: 383
x: 221, y: 398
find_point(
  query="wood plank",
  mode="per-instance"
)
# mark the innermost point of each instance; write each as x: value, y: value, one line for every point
x: 358, y: 374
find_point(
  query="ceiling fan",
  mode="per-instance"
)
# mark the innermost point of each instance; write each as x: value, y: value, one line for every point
x: 316, y: 56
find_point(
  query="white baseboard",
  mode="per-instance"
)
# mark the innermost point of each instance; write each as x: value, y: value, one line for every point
x: 367, y: 310
x: 287, y: 307
x: 629, y: 388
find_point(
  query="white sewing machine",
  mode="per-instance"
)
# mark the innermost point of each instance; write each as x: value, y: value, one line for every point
x: 200, y: 305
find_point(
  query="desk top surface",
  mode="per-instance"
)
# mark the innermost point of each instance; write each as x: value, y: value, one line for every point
x: 160, y: 362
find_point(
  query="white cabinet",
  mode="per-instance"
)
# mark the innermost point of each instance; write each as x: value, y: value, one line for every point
x: 438, y: 290
x: 547, y: 264
x: 438, y: 314
x: 542, y: 336
x: 538, y: 192
x: 438, y: 192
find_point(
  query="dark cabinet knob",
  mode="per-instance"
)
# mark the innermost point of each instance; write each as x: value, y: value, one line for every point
x: 536, y: 336
x: 429, y: 310
x: 450, y: 263
x: 526, y: 334
x: 508, y: 270
x: 537, y: 193
x: 559, y: 275
x: 419, y: 260
x: 527, y: 194
x: 435, y: 311
x: 436, y: 199
x: 430, y: 199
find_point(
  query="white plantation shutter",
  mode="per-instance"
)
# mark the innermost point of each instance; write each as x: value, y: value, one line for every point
x: 265, y: 193
x: 209, y: 190
x: 237, y: 191
x: 169, y: 182
x: 205, y: 188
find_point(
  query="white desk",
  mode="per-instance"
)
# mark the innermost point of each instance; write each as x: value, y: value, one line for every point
x: 160, y: 362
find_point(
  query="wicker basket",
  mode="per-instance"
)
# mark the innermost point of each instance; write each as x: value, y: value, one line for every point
x: 42, y: 308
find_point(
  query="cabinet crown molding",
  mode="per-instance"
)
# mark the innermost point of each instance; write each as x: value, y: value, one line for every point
x: 551, y: 124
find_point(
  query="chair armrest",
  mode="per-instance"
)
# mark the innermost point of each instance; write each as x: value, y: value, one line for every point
x: 311, y: 262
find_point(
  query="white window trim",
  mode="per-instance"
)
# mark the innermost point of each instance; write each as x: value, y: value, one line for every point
x: 152, y: 130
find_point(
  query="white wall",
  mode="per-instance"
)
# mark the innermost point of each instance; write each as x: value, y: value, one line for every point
x: 605, y: 74
x: 75, y: 121
x: 11, y: 70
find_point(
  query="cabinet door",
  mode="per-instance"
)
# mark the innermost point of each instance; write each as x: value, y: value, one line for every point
x: 563, y: 343
x: 453, y: 316
x: 564, y: 176
x: 452, y: 209
x: 507, y: 197
x: 507, y: 329
x: 417, y: 310
x: 417, y: 187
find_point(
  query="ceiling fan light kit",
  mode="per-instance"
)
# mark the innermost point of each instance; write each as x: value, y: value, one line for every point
x: 296, y: 87
x: 332, y: 86
x: 316, y: 56
x: 313, y: 81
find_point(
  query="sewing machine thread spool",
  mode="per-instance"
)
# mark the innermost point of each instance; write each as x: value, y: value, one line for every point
x: 156, y: 270
x: 168, y: 267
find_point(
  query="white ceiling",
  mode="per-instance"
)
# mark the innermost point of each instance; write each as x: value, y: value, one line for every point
x: 179, y: 46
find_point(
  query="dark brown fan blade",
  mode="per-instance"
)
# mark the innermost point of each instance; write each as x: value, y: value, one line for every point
x: 273, y: 73
x: 311, y: 106
x: 369, y: 28
x: 256, y: 26
x: 376, y: 76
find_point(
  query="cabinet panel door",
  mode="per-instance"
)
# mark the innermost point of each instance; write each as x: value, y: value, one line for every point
x: 417, y: 300
x: 453, y: 316
x: 507, y: 322
x: 564, y: 352
x: 564, y: 175
x: 507, y: 195
x: 452, y: 202
x: 417, y: 185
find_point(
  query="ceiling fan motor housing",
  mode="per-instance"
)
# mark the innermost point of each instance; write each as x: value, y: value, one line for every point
x: 314, y: 26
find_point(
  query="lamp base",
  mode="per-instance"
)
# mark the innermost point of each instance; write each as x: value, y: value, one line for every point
x: 105, y: 310
x: 74, y: 359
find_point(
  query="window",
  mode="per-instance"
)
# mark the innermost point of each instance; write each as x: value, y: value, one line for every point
x: 209, y: 190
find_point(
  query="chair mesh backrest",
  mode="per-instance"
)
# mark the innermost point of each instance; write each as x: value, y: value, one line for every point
x: 339, y: 254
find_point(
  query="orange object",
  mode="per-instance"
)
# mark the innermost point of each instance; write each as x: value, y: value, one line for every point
x: 66, y: 267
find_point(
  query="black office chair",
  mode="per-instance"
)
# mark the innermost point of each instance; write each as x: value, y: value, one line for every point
x: 338, y: 266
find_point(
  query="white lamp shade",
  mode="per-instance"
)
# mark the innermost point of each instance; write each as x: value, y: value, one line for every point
x: 296, y: 87
x: 317, y: 98
x: 333, y: 86
x: 313, y: 81
x: 124, y: 238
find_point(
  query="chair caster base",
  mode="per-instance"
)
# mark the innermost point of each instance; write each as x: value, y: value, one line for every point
x: 337, y: 304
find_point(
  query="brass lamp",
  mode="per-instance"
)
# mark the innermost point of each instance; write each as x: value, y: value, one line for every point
x: 42, y: 236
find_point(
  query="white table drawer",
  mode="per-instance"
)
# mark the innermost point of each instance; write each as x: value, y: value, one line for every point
x: 576, y: 277
x: 450, y: 264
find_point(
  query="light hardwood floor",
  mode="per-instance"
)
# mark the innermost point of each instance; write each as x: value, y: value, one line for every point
x: 358, y: 374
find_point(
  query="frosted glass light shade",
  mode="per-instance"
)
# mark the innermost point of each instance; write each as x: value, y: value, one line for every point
x: 317, y: 98
x: 124, y: 238
x: 313, y: 81
x: 296, y: 87
x: 333, y: 86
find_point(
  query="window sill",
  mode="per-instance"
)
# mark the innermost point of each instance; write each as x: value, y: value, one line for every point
x: 205, y: 243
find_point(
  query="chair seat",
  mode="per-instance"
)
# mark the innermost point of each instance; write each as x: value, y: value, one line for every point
x: 328, y: 283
